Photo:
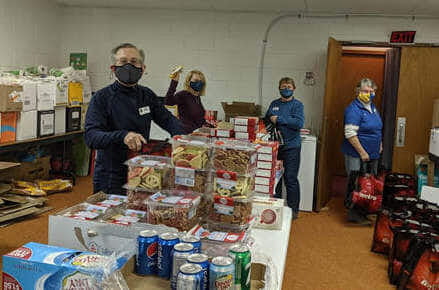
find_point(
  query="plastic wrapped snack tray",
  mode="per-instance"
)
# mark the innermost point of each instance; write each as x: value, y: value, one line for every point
x: 235, y: 156
x: 38, y: 266
x: 192, y: 179
x: 217, y: 243
x: 230, y: 184
x: 232, y: 210
x: 125, y: 217
x: 268, y: 212
x: 107, y: 200
x: 190, y: 152
x: 137, y: 199
x: 84, y: 211
x: 149, y: 172
x: 174, y: 208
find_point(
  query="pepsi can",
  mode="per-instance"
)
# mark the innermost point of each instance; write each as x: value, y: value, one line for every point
x: 189, y: 277
x: 166, y: 244
x: 179, y: 257
x: 195, y: 241
x: 146, y: 259
x: 203, y: 261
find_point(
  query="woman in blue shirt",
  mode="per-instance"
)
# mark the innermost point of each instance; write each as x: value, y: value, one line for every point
x: 287, y: 115
x: 363, y: 136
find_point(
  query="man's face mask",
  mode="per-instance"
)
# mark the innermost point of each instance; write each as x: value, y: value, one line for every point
x: 128, y: 73
x: 286, y: 93
x: 197, y: 86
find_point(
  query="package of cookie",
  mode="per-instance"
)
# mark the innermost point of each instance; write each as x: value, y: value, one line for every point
x: 107, y: 200
x: 268, y: 212
x: 232, y: 210
x: 174, y: 208
x: 126, y: 217
x: 85, y: 211
x: 197, y: 180
x: 230, y: 184
x: 137, y: 199
x: 149, y: 172
x: 191, y: 152
x: 233, y: 155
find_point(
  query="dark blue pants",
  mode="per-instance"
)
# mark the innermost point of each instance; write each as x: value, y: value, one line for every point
x: 291, y: 160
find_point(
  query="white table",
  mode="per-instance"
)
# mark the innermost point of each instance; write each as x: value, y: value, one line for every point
x: 275, y: 243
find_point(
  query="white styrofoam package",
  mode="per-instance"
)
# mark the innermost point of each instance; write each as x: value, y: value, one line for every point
x: 46, y: 95
x: 62, y: 92
x: 27, y: 126
x: 86, y: 87
x: 60, y: 120
x: 29, y: 96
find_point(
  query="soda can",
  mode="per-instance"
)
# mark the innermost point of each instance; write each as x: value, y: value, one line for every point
x: 189, y: 277
x: 166, y: 244
x: 195, y: 241
x: 146, y: 259
x: 221, y: 273
x: 241, y: 255
x: 203, y: 261
x: 180, y: 254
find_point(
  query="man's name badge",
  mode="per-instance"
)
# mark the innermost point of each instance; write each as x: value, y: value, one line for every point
x: 144, y: 110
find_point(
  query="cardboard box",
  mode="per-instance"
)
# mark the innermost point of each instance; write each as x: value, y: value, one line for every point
x: 268, y: 147
x: 73, y: 119
x: 266, y: 157
x: 224, y: 133
x: 265, y: 165
x: 240, y: 109
x: 27, y: 125
x: 60, y: 119
x: 265, y: 189
x: 251, y: 122
x: 97, y: 236
x: 62, y: 92
x: 10, y: 98
x: 245, y: 136
x: 8, y: 127
x: 265, y: 180
x: 46, y: 123
x: 265, y: 173
x: 46, y: 95
x: 76, y: 94
x: 245, y: 129
x: 268, y: 212
x: 39, y: 266
x: 29, y: 96
x: 436, y: 114
x: 30, y: 171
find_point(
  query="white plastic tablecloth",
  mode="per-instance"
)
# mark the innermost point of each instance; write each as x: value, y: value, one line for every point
x: 275, y: 243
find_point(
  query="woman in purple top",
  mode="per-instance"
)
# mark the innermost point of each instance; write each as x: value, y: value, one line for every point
x: 190, y: 109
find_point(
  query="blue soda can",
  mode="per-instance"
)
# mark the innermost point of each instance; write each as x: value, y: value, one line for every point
x: 166, y: 244
x: 203, y: 261
x: 189, y: 277
x: 146, y: 259
x: 195, y: 241
x: 181, y: 252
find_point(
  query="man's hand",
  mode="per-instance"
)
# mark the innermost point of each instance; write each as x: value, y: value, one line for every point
x: 134, y: 141
x: 273, y: 119
x: 365, y: 157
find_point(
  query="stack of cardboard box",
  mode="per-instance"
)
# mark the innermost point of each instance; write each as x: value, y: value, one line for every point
x: 267, y: 167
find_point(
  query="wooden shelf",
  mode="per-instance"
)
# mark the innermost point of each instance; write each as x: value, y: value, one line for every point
x: 42, y: 140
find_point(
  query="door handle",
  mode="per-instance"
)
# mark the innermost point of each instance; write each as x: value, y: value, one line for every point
x: 400, y: 132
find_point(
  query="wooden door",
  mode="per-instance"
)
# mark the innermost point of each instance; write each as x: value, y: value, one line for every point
x: 355, y: 65
x: 418, y: 87
x: 325, y: 150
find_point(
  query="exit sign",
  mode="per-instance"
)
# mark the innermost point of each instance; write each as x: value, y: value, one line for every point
x: 403, y: 37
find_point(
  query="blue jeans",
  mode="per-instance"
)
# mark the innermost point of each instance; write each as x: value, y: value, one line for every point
x: 291, y: 160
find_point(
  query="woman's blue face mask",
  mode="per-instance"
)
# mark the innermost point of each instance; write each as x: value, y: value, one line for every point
x: 197, y: 86
x: 286, y: 93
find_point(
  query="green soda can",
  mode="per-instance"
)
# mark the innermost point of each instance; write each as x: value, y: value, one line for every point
x: 240, y: 253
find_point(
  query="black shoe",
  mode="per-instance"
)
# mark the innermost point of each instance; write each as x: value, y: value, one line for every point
x: 355, y: 217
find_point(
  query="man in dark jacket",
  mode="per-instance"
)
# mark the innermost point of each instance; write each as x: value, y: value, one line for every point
x: 119, y: 119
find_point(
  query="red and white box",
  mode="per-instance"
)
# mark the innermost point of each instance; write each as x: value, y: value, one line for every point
x: 265, y: 172
x: 265, y: 180
x: 245, y: 136
x: 221, y: 133
x: 267, y: 157
x: 266, y: 189
x: 268, y: 147
x: 247, y: 129
x: 266, y: 165
x: 246, y: 121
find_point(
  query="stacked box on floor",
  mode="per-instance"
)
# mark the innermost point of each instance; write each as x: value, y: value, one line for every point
x: 10, y: 105
x: 246, y: 128
x: 266, y: 167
